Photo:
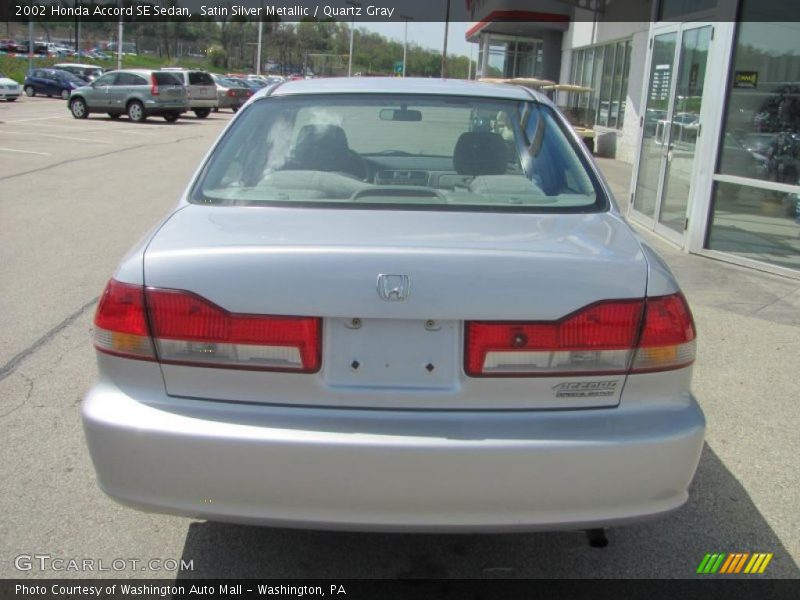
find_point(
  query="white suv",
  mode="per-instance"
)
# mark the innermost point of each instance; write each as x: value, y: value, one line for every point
x: 200, y: 88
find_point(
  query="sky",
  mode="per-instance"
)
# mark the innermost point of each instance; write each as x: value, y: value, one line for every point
x: 427, y: 35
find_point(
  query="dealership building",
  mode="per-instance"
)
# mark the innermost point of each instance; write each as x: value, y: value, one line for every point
x: 701, y: 97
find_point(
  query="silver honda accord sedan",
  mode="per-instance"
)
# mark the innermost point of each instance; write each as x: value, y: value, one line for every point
x: 396, y: 304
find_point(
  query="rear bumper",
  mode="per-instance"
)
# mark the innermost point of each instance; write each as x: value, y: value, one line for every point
x: 160, y: 108
x: 393, y: 470
x: 196, y: 103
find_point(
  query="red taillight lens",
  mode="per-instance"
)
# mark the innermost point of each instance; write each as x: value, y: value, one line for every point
x: 153, y: 84
x: 230, y: 93
x: 121, y: 323
x: 599, y: 339
x: 668, y: 335
x: 187, y: 329
x: 191, y: 330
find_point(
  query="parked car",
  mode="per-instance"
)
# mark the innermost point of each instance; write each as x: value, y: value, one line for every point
x: 51, y: 82
x: 201, y: 89
x: 138, y: 93
x: 9, y: 89
x: 10, y: 46
x: 85, y: 72
x: 363, y: 314
x: 231, y: 93
x: 253, y: 84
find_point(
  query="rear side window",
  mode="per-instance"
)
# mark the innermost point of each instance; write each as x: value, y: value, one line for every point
x: 167, y: 79
x: 130, y: 79
x: 429, y: 152
x: 200, y: 78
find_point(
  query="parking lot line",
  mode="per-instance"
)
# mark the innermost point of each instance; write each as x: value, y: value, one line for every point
x: 24, y: 151
x: 58, y: 137
x: 36, y: 119
x: 75, y: 126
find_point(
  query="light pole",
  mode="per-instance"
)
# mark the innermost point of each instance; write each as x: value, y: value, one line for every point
x: 119, y: 37
x: 260, y: 33
x: 405, y: 41
x: 444, y: 48
x: 30, y: 43
x: 354, y: 4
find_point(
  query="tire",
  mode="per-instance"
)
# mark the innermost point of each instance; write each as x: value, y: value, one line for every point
x: 65, y: 94
x: 171, y: 117
x: 202, y: 113
x: 136, y: 111
x: 78, y: 108
x: 29, y: 91
x: 216, y: 109
x: 14, y: 99
x: 234, y: 108
x: 589, y: 144
x: 114, y: 115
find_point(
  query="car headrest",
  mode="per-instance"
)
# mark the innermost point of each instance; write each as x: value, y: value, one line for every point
x: 318, y: 145
x: 480, y: 153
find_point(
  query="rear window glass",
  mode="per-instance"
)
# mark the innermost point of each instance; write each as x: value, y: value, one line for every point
x: 167, y: 79
x: 422, y: 152
x: 200, y: 78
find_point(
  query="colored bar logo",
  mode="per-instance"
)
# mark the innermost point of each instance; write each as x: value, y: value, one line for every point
x: 734, y: 563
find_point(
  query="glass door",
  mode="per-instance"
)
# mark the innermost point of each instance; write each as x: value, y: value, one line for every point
x: 671, y: 127
x: 655, y: 126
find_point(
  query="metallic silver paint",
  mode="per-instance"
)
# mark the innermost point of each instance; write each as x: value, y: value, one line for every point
x: 461, y: 454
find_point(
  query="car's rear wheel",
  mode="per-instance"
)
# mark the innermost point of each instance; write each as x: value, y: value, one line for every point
x: 114, y: 115
x: 78, y: 108
x: 216, y: 109
x: 29, y: 91
x: 65, y: 94
x: 234, y: 108
x: 202, y: 113
x: 136, y: 112
x: 171, y: 117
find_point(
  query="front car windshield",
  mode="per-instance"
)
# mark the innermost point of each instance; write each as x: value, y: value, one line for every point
x: 408, y: 151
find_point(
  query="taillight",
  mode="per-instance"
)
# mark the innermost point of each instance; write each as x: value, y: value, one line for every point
x: 179, y: 327
x: 597, y: 339
x: 230, y: 93
x: 120, y: 323
x: 668, y: 335
x: 153, y: 85
x: 606, y: 338
x: 188, y: 329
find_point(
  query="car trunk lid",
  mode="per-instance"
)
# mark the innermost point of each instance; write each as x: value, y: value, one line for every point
x: 381, y: 351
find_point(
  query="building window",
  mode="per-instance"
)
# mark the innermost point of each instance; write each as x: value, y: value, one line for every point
x: 510, y: 57
x: 604, y: 69
x: 756, y: 200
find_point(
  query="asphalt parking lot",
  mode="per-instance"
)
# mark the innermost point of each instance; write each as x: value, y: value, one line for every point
x: 75, y: 195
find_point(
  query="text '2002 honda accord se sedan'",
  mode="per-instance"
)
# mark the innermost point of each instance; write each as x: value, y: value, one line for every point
x: 396, y: 305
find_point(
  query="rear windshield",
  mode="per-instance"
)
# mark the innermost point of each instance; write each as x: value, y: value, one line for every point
x: 93, y: 71
x: 200, y: 78
x: 229, y: 81
x: 166, y: 79
x: 419, y: 152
